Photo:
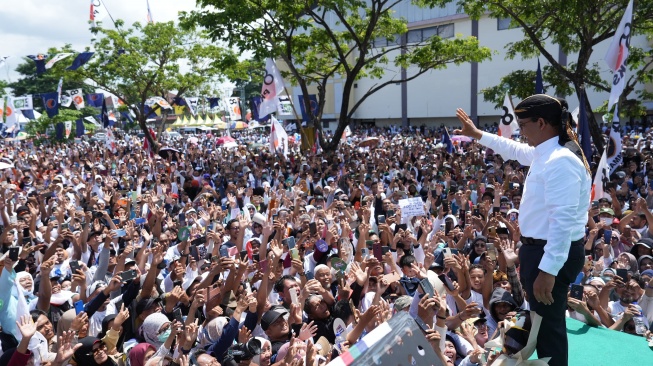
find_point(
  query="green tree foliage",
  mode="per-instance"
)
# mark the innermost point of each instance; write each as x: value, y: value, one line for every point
x: 45, y: 124
x: 577, y: 26
x: 154, y: 60
x: 319, y: 39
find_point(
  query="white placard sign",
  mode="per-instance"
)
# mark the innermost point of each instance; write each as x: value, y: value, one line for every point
x: 411, y: 207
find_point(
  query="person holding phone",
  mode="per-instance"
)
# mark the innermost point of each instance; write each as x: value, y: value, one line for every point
x: 552, y: 213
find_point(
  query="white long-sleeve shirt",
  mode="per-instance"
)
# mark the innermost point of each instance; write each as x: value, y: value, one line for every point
x: 556, y: 195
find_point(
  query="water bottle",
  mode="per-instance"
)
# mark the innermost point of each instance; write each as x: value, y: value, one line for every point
x: 640, y: 323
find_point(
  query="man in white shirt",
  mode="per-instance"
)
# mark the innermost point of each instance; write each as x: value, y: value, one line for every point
x: 552, y: 213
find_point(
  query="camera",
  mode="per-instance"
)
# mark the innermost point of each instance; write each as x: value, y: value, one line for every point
x: 241, y: 352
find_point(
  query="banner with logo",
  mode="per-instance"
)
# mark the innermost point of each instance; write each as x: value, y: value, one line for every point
x: 77, y: 97
x: 23, y: 102
x: 234, y: 109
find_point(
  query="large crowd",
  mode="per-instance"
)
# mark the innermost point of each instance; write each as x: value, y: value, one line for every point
x: 209, y: 256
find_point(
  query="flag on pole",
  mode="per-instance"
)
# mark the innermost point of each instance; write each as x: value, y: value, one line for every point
x: 79, y: 128
x: 312, y: 100
x: 146, y: 143
x: 59, y: 130
x: 446, y: 140
x: 618, y: 54
x: 278, y: 138
x: 28, y: 113
x: 508, y: 124
x: 23, y: 102
x: 149, y: 13
x: 615, y: 158
x: 214, y: 102
x: 272, y: 86
x: 584, y: 136
x: 66, y: 99
x: 192, y: 105
x: 76, y: 97
x: 59, y: 91
x: 58, y: 57
x: 95, y: 99
x: 39, y: 61
x: 346, y: 132
x: 81, y: 59
x: 98, y: 12
x: 51, y: 103
x: 111, y: 141
x: 11, y: 116
x: 105, y: 114
x: 601, y: 178
x: 234, y: 109
x: 68, y: 125
x: 539, y: 82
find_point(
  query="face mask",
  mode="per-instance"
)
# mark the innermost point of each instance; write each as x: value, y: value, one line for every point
x: 607, y: 220
x: 164, y: 336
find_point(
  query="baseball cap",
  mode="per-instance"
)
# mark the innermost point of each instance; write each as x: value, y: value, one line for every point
x: 147, y: 304
x: 607, y: 210
x: 402, y: 302
x: 271, y: 316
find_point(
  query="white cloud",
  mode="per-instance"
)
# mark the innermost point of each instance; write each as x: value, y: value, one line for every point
x: 32, y: 26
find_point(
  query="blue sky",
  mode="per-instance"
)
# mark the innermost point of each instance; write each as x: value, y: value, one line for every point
x: 33, y: 26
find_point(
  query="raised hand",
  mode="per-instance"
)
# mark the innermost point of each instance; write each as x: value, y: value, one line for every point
x: 26, y: 326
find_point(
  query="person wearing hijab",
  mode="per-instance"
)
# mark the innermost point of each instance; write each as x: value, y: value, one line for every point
x: 93, y: 352
x: 140, y: 354
x: 16, y: 289
x: 212, y: 331
x: 263, y: 359
x: 156, y: 329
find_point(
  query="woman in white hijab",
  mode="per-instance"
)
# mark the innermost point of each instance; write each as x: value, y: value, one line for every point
x: 266, y: 353
x: 212, y: 331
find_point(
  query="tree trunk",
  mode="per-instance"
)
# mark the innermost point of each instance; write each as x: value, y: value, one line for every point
x: 335, y: 140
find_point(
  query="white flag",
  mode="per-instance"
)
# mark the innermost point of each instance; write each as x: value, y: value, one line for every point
x: 278, y: 137
x: 11, y: 116
x: 234, y: 109
x: 618, y: 54
x: 272, y: 86
x: 192, y: 105
x: 66, y: 100
x: 77, y: 96
x: 615, y: 159
x: 23, y: 102
x: 508, y: 124
x: 68, y: 126
x: 59, y: 87
x: 98, y: 11
x: 58, y: 57
x: 601, y: 178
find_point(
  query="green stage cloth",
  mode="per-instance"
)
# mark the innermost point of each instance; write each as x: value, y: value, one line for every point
x: 603, y: 347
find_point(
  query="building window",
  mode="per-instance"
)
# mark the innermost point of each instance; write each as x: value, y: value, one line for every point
x: 423, y: 34
x: 446, y: 30
x: 325, y: 124
x: 504, y: 23
x: 414, y: 36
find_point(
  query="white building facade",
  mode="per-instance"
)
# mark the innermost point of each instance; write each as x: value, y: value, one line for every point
x: 432, y: 98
